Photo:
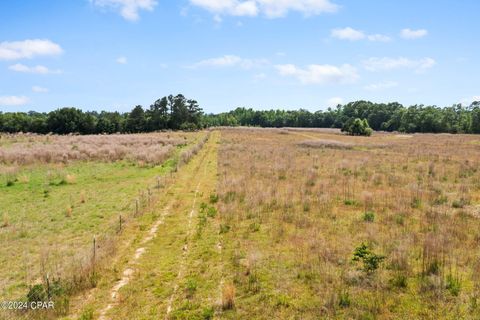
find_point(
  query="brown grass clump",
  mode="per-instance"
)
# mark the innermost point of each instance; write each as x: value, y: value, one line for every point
x: 228, y: 297
x: 23, y: 178
x: 83, y: 196
x: 5, y: 221
x: 70, y: 178
x: 69, y: 211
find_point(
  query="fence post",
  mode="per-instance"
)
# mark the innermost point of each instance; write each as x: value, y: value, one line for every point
x: 120, y: 223
x: 48, y: 287
x: 94, y: 253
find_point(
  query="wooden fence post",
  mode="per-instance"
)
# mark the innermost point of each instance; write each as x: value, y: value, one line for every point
x: 94, y: 253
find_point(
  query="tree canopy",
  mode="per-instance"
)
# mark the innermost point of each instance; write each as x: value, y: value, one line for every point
x: 172, y: 112
x: 180, y: 113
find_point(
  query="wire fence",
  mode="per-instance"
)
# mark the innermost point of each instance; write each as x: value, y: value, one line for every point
x: 60, y: 277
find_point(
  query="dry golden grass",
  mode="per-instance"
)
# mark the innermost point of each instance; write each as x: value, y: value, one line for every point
x: 303, y: 211
x: 228, y: 297
x: 151, y: 148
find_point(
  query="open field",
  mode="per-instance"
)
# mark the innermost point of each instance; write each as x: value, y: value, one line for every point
x: 260, y: 224
x: 57, y: 193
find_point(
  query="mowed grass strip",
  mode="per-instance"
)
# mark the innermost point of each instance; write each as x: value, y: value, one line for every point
x: 148, y: 293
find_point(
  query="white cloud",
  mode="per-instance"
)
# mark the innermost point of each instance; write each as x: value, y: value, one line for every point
x: 348, y: 34
x: 231, y: 61
x: 381, y: 86
x: 28, y: 49
x: 269, y: 8
x: 39, y: 89
x: 355, y: 35
x: 10, y: 101
x: 320, y: 74
x: 335, y: 101
x: 413, y: 34
x: 384, y: 64
x: 36, y: 69
x: 128, y: 9
x: 122, y: 60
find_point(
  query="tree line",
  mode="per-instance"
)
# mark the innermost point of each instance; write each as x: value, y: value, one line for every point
x: 180, y: 113
x: 172, y: 112
x: 378, y: 116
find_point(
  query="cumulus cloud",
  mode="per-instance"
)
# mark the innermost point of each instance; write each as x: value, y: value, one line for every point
x: 413, y: 34
x: 269, y: 8
x: 320, y: 74
x: 36, y: 69
x: 355, y: 35
x: 28, y: 49
x: 128, y: 9
x: 381, y: 86
x: 231, y: 61
x: 385, y: 64
x: 122, y: 60
x: 39, y: 89
x: 11, y: 101
x: 335, y: 101
x: 348, y: 34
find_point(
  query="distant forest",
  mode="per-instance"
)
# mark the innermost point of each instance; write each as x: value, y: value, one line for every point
x: 180, y: 113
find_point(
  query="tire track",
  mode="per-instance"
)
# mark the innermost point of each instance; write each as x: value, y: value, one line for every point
x: 129, y: 270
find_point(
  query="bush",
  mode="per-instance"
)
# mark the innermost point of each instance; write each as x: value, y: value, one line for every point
x: 357, y: 127
x: 371, y: 261
x: 453, y: 285
x: 369, y: 216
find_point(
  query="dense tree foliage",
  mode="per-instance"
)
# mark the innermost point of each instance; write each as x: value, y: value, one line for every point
x: 379, y: 116
x: 357, y: 127
x: 178, y: 112
x: 172, y: 112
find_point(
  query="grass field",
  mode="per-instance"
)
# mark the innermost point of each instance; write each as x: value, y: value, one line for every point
x: 259, y: 224
x: 51, y: 210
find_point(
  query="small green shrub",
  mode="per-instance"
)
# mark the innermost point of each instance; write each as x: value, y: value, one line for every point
x: 254, y: 227
x: 349, y: 202
x: 459, y: 204
x: 191, y: 287
x: 211, y: 212
x: 371, y: 261
x: 224, y: 228
x: 37, y: 293
x: 369, y: 216
x: 344, y: 299
x: 213, y: 198
x: 453, y: 285
x: 416, y: 203
x: 208, y: 313
x: 399, y: 281
x: 86, y: 315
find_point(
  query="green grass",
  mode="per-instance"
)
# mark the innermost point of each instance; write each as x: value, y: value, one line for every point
x: 54, y: 211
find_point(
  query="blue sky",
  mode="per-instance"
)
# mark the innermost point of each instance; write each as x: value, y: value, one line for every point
x: 114, y: 54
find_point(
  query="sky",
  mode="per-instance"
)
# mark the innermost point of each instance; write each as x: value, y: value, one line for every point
x: 286, y: 54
